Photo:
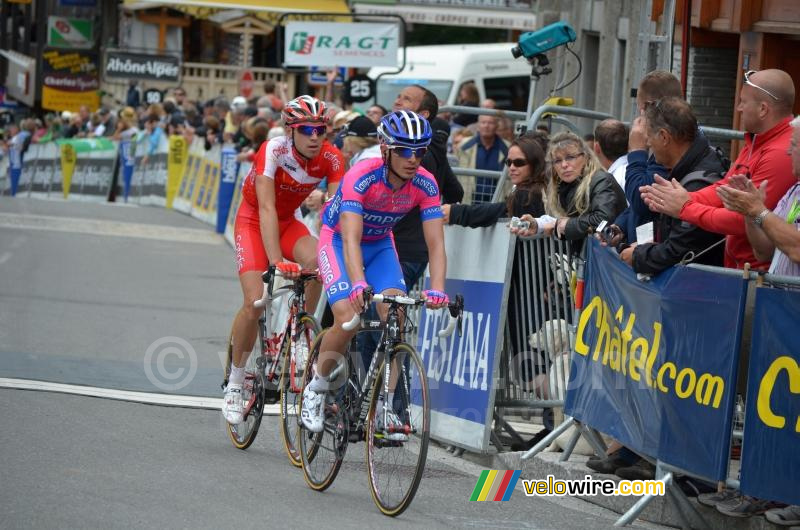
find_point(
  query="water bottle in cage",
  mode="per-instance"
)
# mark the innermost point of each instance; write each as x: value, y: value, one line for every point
x: 300, y: 351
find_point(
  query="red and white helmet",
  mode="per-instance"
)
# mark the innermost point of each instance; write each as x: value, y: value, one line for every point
x: 304, y: 110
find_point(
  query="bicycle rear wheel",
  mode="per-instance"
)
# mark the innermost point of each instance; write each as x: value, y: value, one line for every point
x: 292, y: 384
x: 395, y: 468
x: 243, y: 434
x: 322, y: 453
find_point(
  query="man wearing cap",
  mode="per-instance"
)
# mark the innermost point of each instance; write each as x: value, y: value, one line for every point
x: 360, y: 140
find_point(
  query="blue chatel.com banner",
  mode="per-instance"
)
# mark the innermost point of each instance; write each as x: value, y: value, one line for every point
x: 655, y: 361
x: 771, y: 447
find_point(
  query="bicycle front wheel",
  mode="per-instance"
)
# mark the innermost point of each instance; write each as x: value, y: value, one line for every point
x: 395, y: 466
x: 243, y: 434
x: 291, y: 387
x: 322, y: 453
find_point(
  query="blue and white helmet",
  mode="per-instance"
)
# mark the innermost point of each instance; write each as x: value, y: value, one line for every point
x: 404, y: 128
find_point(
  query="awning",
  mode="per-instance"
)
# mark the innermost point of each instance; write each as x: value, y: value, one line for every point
x: 448, y: 16
x: 280, y: 6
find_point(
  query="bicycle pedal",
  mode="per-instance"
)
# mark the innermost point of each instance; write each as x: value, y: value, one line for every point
x: 355, y: 436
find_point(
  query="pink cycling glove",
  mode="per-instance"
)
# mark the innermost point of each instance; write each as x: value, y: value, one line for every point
x: 436, y: 297
x: 357, y: 290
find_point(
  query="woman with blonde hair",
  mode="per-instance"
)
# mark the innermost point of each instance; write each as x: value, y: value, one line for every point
x: 580, y: 193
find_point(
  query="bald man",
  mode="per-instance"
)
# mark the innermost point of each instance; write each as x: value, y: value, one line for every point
x: 765, y: 104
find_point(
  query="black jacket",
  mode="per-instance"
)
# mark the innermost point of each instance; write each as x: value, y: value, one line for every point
x: 408, y: 236
x: 701, y: 166
x: 606, y: 201
x: 487, y: 214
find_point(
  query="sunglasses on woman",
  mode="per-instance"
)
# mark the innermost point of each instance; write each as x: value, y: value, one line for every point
x: 309, y: 130
x: 408, y: 152
x: 516, y: 162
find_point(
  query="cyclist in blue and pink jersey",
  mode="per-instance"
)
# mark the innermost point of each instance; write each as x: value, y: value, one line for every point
x: 356, y: 247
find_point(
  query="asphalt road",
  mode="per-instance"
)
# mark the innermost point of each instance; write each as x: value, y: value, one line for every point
x: 88, y: 289
x: 94, y: 294
x: 80, y: 462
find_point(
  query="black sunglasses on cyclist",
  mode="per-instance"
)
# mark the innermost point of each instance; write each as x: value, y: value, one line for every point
x: 516, y: 162
x: 408, y: 152
x: 309, y: 130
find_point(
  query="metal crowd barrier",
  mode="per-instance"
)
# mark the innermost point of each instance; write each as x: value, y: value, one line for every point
x: 535, y: 253
x: 539, y: 334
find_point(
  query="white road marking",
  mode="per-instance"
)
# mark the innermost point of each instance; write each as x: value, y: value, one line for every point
x: 5, y: 256
x: 109, y: 228
x: 168, y: 400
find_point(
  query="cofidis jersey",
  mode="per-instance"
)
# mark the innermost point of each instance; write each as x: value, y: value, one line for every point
x: 294, y: 178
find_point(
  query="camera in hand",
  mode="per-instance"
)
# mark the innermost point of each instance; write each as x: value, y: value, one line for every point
x: 519, y: 224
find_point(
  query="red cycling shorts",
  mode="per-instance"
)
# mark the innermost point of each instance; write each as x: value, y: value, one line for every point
x: 249, y: 246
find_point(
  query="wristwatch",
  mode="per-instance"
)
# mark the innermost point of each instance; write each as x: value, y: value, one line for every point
x: 758, y: 220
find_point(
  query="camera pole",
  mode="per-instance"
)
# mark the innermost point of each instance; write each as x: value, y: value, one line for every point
x: 539, y: 67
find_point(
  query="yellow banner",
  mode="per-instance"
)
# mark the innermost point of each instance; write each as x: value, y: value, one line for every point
x: 191, y: 176
x: 200, y: 187
x: 60, y: 100
x: 176, y: 165
x: 68, y: 159
x: 212, y: 191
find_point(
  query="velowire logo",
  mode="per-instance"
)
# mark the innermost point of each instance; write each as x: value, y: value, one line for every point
x: 495, y: 485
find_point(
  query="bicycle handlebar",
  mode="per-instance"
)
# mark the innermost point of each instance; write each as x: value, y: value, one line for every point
x: 269, y: 275
x: 456, y: 309
x: 352, y: 323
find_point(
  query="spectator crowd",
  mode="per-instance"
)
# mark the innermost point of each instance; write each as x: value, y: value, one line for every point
x: 668, y: 193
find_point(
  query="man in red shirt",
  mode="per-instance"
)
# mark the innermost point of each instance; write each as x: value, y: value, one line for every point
x: 268, y: 229
x: 765, y: 103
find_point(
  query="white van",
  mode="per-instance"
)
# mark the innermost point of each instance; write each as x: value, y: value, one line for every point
x: 443, y: 69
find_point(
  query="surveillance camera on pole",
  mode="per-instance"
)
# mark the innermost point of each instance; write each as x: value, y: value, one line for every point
x: 533, y: 45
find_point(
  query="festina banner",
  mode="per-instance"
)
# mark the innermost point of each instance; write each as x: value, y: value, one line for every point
x: 354, y: 45
x: 141, y: 66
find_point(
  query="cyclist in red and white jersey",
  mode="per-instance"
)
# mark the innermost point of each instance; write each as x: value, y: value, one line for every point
x: 268, y: 229
x: 356, y: 247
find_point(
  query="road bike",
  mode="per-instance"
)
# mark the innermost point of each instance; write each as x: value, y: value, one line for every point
x: 274, y: 370
x: 395, y: 456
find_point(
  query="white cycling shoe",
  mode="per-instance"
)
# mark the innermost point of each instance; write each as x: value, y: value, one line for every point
x: 311, y: 414
x: 233, y: 404
x: 394, y: 429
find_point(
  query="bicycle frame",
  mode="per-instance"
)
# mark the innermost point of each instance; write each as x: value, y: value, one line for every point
x: 391, y: 335
x: 272, y: 344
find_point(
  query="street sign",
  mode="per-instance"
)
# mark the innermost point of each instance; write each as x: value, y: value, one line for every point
x: 359, y: 89
x: 152, y: 96
x: 246, y: 83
